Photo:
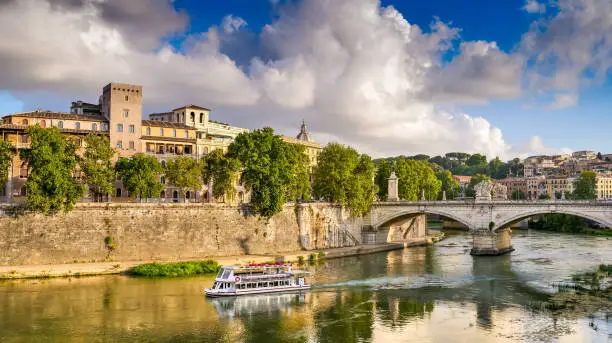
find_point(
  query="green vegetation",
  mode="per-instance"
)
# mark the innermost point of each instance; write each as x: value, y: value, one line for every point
x: 585, y: 186
x: 273, y: 170
x: 221, y: 171
x: 185, y: 173
x: 175, y: 269
x: 518, y: 195
x: 383, y: 172
x: 6, y: 154
x: 51, y: 160
x: 587, y: 292
x: 448, y: 185
x: 300, y: 259
x: 343, y: 176
x: 97, y: 165
x: 140, y: 175
x: 415, y: 176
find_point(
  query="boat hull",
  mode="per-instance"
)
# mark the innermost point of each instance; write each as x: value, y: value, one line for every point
x: 213, y: 294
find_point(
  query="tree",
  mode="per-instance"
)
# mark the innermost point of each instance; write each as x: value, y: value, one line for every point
x: 344, y: 177
x: 383, y: 172
x: 518, y: 195
x: 185, y: 173
x: 221, y: 171
x: 585, y: 186
x: 599, y: 156
x: 420, y: 157
x: 414, y: 177
x: 476, y: 179
x: 272, y: 170
x: 497, y: 169
x: 51, y: 161
x: 477, y: 160
x: 139, y: 175
x: 300, y: 187
x: 97, y: 166
x: 6, y: 156
x: 448, y: 185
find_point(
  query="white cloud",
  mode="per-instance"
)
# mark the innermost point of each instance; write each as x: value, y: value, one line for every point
x: 536, y: 146
x: 533, y: 6
x: 563, y: 101
x: 358, y: 72
x: 231, y: 24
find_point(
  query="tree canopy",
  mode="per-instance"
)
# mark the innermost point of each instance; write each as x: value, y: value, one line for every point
x: 344, y: 177
x: 51, y: 161
x: 383, y: 172
x: 585, y: 186
x: 220, y: 171
x: 185, y: 173
x: 448, y: 184
x: 6, y: 155
x: 97, y: 166
x: 140, y: 175
x: 273, y: 170
x: 415, y: 176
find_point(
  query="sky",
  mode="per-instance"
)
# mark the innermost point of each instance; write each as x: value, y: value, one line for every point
x: 503, y: 78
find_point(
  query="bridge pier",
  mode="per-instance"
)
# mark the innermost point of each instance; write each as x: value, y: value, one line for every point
x: 492, y: 243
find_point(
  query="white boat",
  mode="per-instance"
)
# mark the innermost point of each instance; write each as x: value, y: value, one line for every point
x: 257, y: 278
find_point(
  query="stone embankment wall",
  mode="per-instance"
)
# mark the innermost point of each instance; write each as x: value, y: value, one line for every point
x: 169, y: 232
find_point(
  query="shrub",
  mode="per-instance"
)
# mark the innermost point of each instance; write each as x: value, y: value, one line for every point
x: 311, y: 258
x: 175, y: 269
x: 301, y: 259
x: 321, y: 255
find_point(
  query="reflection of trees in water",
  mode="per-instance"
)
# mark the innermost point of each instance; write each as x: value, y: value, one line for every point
x: 350, y: 319
x: 396, y: 311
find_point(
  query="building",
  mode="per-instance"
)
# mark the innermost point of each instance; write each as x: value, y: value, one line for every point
x: 464, y: 182
x: 80, y: 107
x: 559, y: 184
x: 513, y: 185
x: 603, y: 187
x: 312, y: 148
x: 584, y: 155
x: 536, y: 187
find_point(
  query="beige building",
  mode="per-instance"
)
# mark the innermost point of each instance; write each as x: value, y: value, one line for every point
x: 121, y: 105
x: 210, y: 134
x: 312, y: 148
x: 603, y: 187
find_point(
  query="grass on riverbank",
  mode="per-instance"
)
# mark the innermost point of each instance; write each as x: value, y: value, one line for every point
x: 175, y: 269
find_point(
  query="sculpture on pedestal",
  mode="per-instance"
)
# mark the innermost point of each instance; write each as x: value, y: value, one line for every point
x: 483, y: 190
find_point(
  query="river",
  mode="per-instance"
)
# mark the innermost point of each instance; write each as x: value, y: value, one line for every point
x: 423, y: 294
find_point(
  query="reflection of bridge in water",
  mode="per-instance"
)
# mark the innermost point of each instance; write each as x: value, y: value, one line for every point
x: 489, y: 221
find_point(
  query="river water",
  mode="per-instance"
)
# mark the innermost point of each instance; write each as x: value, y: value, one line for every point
x: 423, y: 294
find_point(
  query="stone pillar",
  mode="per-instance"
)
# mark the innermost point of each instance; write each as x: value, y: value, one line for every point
x: 392, y: 192
x: 422, y: 194
x: 492, y: 243
x: 443, y: 195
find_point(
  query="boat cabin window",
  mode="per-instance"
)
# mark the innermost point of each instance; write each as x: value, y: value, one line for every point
x: 226, y: 273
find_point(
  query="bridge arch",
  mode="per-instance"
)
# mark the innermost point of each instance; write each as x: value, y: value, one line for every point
x: 407, y: 214
x: 525, y: 215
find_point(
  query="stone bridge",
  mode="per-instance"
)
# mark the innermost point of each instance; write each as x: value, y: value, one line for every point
x: 488, y: 220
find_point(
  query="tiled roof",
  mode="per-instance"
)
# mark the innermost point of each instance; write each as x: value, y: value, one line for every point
x: 169, y: 139
x: 161, y: 123
x: 192, y: 106
x: 63, y: 130
x: 58, y: 115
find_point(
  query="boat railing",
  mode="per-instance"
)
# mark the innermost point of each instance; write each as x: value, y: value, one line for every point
x: 266, y: 276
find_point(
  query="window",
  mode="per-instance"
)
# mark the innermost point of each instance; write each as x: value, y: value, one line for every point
x: 126, y: 113
x: 178, y: 117
x: 24, y: 122
x: 77, y: 125
x: 60, y: 124
x: 119, y: 127
x: 148, y: 131
x: 161, y: 131
x: 24, y: 139
x: 132, y: 129
x: 173, y: 132
x: 163, y: 181
x: 119, y: 145
x: 131, y: 145
x: 186, y: 134
x: 201, y: 117
x: 192, y: 115
x: 127, y: 98
x: 43, y: 123
x: 94, y: 127
x: 23, y: 172
x: 118, y: 192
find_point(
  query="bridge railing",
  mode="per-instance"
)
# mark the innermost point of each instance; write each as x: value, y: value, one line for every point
x: 501, y: 202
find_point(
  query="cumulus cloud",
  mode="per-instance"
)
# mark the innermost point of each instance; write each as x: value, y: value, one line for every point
x: 573, y: 47
x: 536, y: 146
x: 533, y: 6
x: 357, y: 71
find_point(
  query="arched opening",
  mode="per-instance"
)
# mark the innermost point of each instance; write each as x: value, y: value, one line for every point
x: 241, y: 197
x: 188, y: 195
x: 175, y: 195
x: 162, y: 194
x: 586, y: 217
x: 118, y: 192
x: 23, y: 191
x: 201, y: 117
x: 192, y: 116
x: 178, y: 117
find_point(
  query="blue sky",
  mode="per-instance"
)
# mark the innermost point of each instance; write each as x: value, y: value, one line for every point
x: 484, y: 59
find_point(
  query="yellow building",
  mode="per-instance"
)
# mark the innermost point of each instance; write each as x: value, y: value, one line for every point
x: 312, y: 149
x: 603, y: 187
x: 557, y: 184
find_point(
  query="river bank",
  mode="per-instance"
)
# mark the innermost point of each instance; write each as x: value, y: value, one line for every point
x: 121, y: 267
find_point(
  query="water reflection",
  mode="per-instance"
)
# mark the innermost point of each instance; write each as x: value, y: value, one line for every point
x: 429, y: 294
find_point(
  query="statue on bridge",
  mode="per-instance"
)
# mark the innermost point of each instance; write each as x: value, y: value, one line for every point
x: 500, y: 192
x: 483, y: 190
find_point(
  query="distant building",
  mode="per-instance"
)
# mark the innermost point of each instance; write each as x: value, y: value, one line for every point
x: 464, y: 182
x: 80, y: 107
x: 584, y: 155
x: 312, y: 148
x: 512, y: 185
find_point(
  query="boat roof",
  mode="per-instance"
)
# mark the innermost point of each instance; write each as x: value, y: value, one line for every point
x: 259, y: 265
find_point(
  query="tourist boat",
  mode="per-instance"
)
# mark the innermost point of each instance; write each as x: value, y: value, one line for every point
x: 257, y: 278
